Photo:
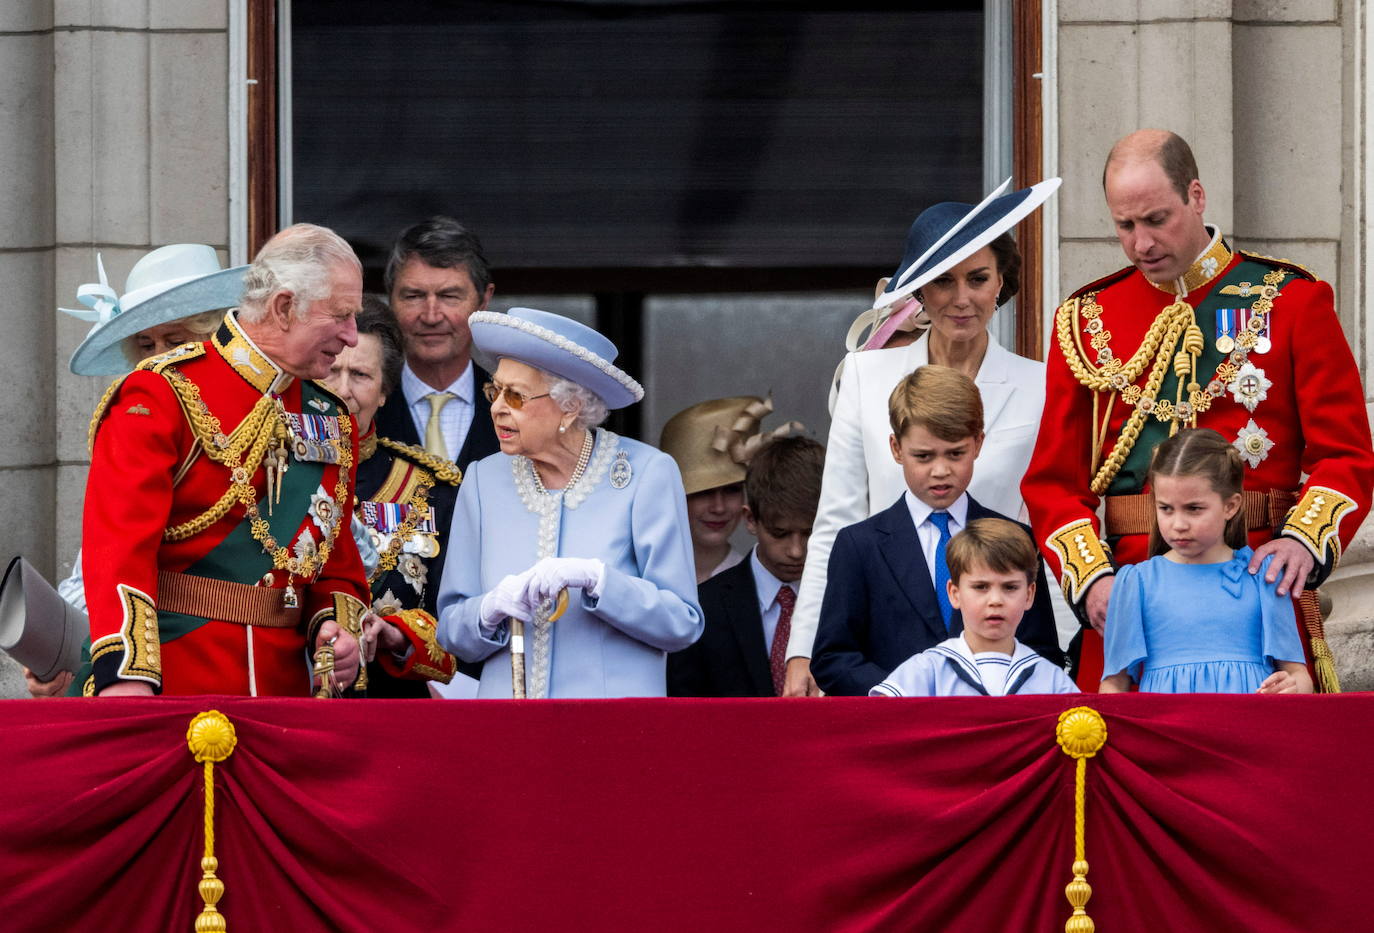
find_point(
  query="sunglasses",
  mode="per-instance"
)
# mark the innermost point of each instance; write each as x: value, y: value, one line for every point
x: 514, y: 399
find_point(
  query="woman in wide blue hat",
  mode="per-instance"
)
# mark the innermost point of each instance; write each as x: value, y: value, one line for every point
x: 960, y: 264
x: 566, y: 505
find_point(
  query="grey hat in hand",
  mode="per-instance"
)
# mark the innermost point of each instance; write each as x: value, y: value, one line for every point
x: 38, y: 628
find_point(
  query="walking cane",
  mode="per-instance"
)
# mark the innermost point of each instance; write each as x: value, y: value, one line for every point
x: 517, y: 645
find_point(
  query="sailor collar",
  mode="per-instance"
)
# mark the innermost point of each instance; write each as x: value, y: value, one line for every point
x: 240, y: 352
x: 961, y: 660
x: 1209, y: 264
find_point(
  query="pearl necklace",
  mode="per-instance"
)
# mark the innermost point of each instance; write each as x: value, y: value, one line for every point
x: 578, y: 470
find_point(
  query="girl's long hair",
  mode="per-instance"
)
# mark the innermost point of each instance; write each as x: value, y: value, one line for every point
x: 1205, y: 453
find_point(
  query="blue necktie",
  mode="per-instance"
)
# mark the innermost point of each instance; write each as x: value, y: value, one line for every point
x: 941, y: 521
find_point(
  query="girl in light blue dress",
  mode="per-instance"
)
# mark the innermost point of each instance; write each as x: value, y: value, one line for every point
x: 1193, y: 619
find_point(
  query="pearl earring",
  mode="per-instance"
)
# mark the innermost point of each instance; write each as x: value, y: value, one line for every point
x: 562, y: 429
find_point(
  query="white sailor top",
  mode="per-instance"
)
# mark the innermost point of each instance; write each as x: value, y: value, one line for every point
x: 951, y: 669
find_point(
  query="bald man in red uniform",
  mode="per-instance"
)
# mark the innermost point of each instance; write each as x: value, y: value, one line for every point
x: 1194, y: 334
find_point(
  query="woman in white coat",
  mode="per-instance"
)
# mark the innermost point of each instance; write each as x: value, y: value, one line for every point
x: 960, y: 264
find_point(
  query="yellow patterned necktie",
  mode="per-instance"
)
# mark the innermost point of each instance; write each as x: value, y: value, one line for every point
x: 434, y: 434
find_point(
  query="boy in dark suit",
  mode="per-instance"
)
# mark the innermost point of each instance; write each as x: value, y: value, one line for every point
x: 886, y: 597
x: 748, y: 608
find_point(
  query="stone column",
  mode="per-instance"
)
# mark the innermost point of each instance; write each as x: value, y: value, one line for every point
x: 27, y: 248
x: 1271, y: 94
x: 1124, y: 65
x: 114, y: 131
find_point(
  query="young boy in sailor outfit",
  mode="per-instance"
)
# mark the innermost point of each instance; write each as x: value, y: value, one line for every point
x: 992, y: 574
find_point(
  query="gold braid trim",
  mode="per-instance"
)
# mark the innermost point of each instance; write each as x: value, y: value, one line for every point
x: 1316, y: 520
x: 1113, y: 374
x: 99, y: 415
x: 444, y: 470
x: 1159, y: 345
x: 248, y: 444
x: 421, y: 624
x: 264, y: 423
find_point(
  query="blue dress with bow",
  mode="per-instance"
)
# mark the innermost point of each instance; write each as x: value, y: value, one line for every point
x: 1198, y: 628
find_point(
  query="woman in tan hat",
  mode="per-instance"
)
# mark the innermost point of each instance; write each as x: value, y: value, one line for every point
x: 711, y: 442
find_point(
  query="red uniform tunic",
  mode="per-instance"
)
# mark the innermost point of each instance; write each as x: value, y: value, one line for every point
x: 161, y: 499
x: 1301, y: 380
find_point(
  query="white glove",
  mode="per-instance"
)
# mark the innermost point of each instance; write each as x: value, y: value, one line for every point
x: 504, y: 601
x: 552, y: 574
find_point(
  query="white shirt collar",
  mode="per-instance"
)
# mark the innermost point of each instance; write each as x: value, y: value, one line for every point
x: 415, y: 389
x: 920, y: 512
x: 766, y: 585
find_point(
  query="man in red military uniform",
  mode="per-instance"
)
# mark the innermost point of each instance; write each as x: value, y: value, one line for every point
x: 1194, y: 334
x: 216, y: 542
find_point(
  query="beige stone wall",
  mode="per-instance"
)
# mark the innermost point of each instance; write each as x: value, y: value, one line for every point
x: 114, y: 136
x: 1270, y: 94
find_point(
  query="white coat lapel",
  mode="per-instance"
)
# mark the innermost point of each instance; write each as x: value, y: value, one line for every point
x: 993, y: 384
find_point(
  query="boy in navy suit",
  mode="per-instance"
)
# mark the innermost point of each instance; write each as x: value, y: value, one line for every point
x: 887, y: 597
x: 748, y: 608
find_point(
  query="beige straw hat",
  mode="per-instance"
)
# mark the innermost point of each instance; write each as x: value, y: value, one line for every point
x: 713, y: 441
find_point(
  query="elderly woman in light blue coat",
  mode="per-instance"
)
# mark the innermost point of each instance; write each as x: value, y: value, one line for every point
x: 566, y: 505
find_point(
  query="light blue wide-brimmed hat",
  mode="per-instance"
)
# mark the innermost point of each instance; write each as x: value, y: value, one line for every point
x: 555, y: 344
x: 947, y: 233
x: 170, y: 283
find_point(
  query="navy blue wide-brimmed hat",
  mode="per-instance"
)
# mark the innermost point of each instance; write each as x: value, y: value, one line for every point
x: 948, y: 233
x: 555, y: 344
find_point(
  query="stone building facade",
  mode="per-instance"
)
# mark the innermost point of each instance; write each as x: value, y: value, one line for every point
x: 119, y: 133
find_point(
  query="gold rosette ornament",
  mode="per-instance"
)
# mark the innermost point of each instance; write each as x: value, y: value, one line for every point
x: 1081, y: 733
x: 211, y: 738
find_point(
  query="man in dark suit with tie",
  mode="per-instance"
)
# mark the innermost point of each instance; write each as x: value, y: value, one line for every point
x: 748, y: 608
x: 436, y: 278
x: 886, y: 594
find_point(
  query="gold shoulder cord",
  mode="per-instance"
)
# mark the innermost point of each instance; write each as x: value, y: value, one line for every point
x: 1113, y: 376
x: 445, y: 471
x: 248, y: 444
x: 99, y: 414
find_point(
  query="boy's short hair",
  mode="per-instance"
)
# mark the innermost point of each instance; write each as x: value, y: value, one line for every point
x: 784, y: 480
x: 1001, y: 546
x: 942, y: 400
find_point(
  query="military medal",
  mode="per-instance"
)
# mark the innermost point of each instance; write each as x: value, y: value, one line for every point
x: 1225, y: 342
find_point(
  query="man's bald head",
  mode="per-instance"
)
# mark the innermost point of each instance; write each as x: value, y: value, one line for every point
x: 1166, y: 149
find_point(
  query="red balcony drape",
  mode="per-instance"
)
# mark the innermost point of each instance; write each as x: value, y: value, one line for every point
x: 1203, y: 813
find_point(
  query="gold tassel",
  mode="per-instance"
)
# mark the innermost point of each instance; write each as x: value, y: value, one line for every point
x: 211, y: 738
x: 1323, y: 661
x: 1081, y: 732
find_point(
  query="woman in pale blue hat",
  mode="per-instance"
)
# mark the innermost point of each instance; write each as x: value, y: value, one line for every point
x: 566, y: 505
x: 959, y: 265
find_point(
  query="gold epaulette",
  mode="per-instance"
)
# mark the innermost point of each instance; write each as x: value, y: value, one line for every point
x: 1099, y: 284
x: 446, y: 471
x: 179, y: 354
x: 1288, y: 264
